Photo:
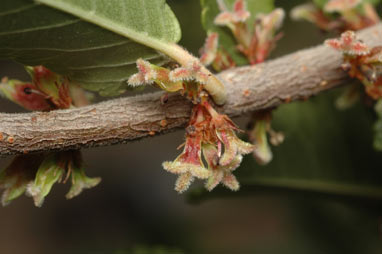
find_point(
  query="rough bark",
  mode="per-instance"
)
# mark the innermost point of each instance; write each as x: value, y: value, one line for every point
x: 292, y: 77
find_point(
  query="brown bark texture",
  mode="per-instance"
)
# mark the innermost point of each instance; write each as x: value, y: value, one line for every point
x: 293, y: 77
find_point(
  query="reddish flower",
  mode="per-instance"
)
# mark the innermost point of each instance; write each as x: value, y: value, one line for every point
x: 210, y: 49
x: 229, y: 18
x: 349, y: 44
x: 24, y: 94
x: 47, y: 91
x: 219, y: 173
x: 208, y: 134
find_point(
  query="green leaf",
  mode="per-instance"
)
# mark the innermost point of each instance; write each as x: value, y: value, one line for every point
x: 210, y: 10
x: 100, y: 56
x: 325, y: 151
x: 320, y: 3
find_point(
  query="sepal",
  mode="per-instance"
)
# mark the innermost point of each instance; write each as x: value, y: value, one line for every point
x: 49, y: 172
x: 15, y: 177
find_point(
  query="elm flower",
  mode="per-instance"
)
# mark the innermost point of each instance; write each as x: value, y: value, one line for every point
x: 258, y: 135
x: 210, y: 49
x: 349, y: 44
x: 212, y: 54
x: 25, y: 94
x: 15, y: 177
x: 55, y: 87
x: 191, y: 72
x: 230, y: 18
x: 208, y: 135
x: 57, y: 168
x: 265, y: 33
x: 79, y: 179
x: 155, y: 75
x: 219, y: 173
x: 188, y: 164
x: 47, y: 174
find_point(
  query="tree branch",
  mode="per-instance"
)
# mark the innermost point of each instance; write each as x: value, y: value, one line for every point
x: 292, y: 77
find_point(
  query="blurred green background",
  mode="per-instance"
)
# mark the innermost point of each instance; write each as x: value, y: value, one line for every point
x: 321, y: 194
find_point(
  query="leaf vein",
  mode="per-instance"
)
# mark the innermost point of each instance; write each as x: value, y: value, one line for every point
x: 23, y: 8
x: 34, y: 29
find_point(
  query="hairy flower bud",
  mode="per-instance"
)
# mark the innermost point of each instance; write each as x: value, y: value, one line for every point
x: 47, y: 174
x: 209, y: 133
x: 15, y: 177
x: 349, y: 44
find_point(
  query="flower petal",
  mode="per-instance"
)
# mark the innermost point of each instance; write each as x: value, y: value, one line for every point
x: 181, y: 74
x: 210, y: 49
x: 80, y: 182
x: 214, y: 179
x: 235, y: 163
x: 225, y: 18
x: 136, y: 80
x: 230, y: 149
x: 230, y: 181
x: 183, y: 182
x: 48, y: 174
x: 175, y: 167
x: 15, y: 177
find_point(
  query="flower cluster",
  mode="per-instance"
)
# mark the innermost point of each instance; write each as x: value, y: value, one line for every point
x: 364, y: 64
x: 35, y: 174
x: 188, y: 80
x: 361, y: 62
x: 15, y: 178
x: 210, y: 136
x: 254, y: 41
x: 261, y: 128
x: 233, y: 18
x: 47, y: 91
x: 155, y: 75
x: 215, y: 55
x: 353, y: 15
x: 349, y: 45
x: 212, y: 150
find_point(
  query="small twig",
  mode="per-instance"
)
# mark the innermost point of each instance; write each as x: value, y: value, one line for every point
x: 292, y: 77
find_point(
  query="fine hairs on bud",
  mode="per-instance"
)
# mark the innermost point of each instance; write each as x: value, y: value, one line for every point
x: 183, y: 182
x: 181, y: 74
x: 146, y: 74
x: 191, y: 71
x: 272, y: 20
x: 35, y: 192
x: 230, y: 181
x: 349, y: 44
x: 210, y: 49
x: 238, y: 15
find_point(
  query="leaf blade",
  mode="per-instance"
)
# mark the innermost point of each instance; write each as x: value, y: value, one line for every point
x: 100, y: 59
x: 104, y: 14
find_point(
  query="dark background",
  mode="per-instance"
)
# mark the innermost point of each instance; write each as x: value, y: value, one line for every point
x: 136, y: 210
